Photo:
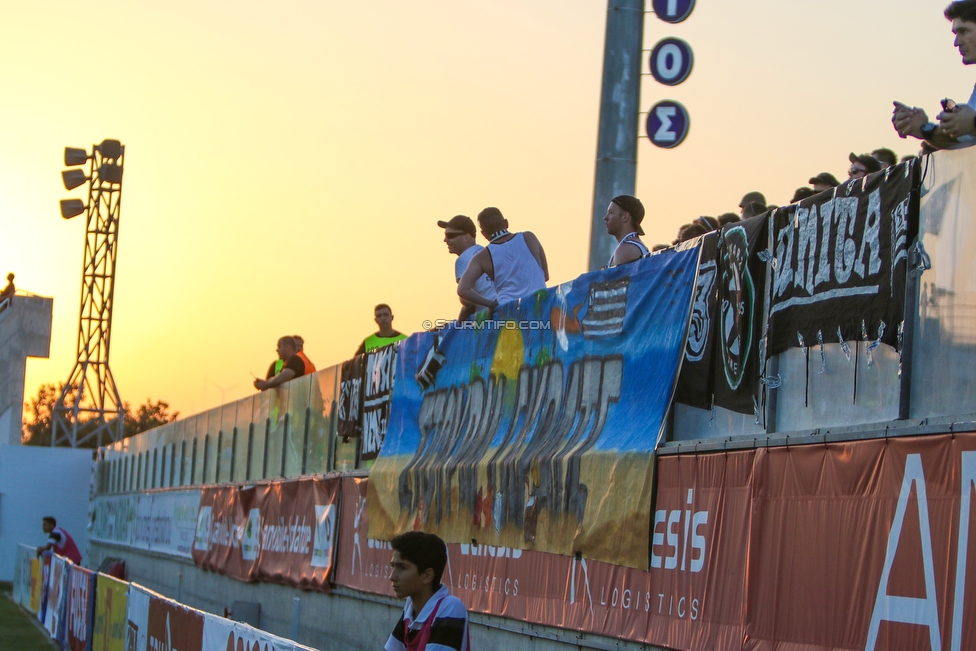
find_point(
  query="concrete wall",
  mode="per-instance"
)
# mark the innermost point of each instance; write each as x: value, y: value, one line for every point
x: 345, y: 620
x: 40, y: 481
x: 25, y: 331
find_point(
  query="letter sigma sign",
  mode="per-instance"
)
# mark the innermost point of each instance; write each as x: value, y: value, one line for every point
x: 667, y: 124
x: 671, y: 61
x: 673, y: 11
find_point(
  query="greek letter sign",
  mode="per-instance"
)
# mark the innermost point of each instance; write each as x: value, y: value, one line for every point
x: 667, y: 124
x: 671, y: 61
x: 673, y: 11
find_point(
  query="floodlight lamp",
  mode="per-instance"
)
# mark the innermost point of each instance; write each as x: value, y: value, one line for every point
x: 73, y: 178
x: 72, y: 208
x: 111, y: 149
x: 110, y: 173
x: 74, y: 156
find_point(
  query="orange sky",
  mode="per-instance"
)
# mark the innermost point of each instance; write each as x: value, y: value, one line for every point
x: 286, y: 162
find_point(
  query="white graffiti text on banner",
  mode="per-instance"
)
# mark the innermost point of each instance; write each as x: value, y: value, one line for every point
x: 378, y: 390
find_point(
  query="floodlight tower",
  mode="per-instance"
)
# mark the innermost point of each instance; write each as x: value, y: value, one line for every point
x: 90, y: 392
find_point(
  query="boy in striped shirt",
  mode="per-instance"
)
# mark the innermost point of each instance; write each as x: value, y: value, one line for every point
x: 432, y: 619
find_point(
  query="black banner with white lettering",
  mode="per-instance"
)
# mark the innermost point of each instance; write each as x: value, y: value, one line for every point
x: 351, y: 397
x: 696, y: 381
x: 377, y: 392
x: 841, y: 259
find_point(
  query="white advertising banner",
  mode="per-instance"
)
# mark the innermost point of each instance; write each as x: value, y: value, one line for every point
x: 137, y: 614
x: 168, y: 526
x: 114, y: 519
x: 161, y: 522
x: 143, y: 523
x: 221, y: 633
x: 57, y: 588
x: 22, y: 574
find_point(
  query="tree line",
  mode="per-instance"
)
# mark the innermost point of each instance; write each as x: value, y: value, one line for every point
x: 39, y: 416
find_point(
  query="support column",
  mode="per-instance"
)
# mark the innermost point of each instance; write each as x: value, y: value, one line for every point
x: 616, y: 151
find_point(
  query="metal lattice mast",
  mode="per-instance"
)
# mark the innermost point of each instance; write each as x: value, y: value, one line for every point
x: 89, y: 406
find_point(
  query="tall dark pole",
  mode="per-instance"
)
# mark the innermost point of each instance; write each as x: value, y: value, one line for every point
x: 616, y: 150
x: 89, y: 407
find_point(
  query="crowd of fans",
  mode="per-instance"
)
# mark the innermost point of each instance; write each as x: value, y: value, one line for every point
x: 513, y: 264
x: 956, y: 127
x: 754, y: 203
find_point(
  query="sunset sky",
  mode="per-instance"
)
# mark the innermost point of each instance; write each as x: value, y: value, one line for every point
x: 286, y: 162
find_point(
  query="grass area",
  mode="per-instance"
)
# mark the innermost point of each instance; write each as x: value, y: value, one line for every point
x: 17, y: 631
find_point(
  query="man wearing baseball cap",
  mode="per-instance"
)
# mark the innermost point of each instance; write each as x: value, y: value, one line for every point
x: 623, y: 221
x: 823, y: 181
x: 862, y: 165
x: 754, y: 197
x: 459, y: 235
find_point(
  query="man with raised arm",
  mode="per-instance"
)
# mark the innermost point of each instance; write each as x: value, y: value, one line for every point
x: 515, y: 262
x: 957, y: 122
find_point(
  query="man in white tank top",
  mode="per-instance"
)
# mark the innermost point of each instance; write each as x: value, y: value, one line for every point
x: 623, y: 221
x: 515, y: 262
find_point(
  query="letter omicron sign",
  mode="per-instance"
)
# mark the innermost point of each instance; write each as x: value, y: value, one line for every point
x: 671, y: 61
x: 667, y: 124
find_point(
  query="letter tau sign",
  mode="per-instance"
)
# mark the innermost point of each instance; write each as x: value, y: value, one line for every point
x: 673, y: 11
x: 671, y: 61
x: 667, y: 124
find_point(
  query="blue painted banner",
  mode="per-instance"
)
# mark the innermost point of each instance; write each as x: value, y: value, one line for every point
x: 536, y: 429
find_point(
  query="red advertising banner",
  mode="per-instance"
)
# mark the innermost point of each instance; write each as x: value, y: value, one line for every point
x: 282, y: 532
x: 864, y: 545
x: 857, y: 545
x: 700, y: 550
x: 362, y: 563
x: 555, y: 590
x: 171, y: 625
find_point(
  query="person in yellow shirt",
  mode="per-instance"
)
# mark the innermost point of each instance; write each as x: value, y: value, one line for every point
x: 386, y: 335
